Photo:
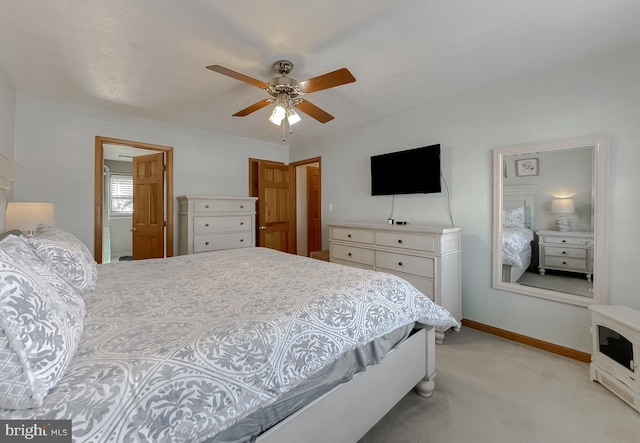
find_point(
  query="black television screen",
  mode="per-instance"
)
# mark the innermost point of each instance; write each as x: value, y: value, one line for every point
x: 414, y: 171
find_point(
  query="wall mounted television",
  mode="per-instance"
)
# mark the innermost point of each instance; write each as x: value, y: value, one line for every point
x: 414, y: 171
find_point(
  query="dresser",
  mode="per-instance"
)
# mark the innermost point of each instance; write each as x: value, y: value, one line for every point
x: 212, y: 223
x: 428, y: 257
x: 566, y: 251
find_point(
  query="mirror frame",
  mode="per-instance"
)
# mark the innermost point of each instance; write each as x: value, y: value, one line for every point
x: 600, y: 199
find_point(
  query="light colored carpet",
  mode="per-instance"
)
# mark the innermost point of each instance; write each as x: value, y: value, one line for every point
x: 492, y: 390
x: 576, y: 284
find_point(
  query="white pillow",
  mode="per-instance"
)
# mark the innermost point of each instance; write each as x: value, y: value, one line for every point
x: 41, y: 322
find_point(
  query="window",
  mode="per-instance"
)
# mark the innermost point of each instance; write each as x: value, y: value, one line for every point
x: 121, y: 195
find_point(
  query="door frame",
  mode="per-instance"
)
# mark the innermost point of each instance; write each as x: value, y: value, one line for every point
x: 304, y: 162
x: 99, y: 191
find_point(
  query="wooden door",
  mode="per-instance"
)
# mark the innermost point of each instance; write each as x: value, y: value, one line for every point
x: 148, y: 206
x: 276, y: 207
x: 314, y: 221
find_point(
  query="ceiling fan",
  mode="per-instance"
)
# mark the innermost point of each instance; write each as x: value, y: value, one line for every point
x: 287, y: 92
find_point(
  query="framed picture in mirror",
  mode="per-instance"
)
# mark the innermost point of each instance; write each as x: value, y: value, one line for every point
x: 526, y: 166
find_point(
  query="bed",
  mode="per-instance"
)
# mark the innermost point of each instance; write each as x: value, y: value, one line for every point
x: 517, y: 233
x: 239, y: 345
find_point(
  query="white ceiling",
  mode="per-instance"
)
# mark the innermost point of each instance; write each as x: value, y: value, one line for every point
x: 148, y: 57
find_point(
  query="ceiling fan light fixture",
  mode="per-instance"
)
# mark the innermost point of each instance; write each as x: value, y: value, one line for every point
x: 292, y: 116
x: 278, y: 114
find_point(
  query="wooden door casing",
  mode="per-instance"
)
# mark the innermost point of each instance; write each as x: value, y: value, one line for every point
x: 314, y: 218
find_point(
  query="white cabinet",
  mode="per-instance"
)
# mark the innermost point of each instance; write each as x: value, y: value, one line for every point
x: 566, y: 251
x: 615, y: 361
x: 213, y: 223
x: 428, y: 257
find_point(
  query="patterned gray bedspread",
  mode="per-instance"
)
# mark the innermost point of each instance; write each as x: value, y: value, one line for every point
x: 516, y: 241
x: 179, y: 349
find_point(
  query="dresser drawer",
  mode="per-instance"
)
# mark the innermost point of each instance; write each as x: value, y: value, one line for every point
x: 565, y: 252
x: 215, y: 242
x: 204, y: 225
x: 352, y: 254
x: 351, y: 264
x: 420, y: 266
x: 566, y: 240
x: 354, y: 235
x: 226, y: 205
x: 566, y: 263
x: 424, y: 285
x: 406, y: 241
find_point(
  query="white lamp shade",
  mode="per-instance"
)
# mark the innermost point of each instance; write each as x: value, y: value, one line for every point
x: 278, y: 114
x: 25, y: 216
x: 562, y: 206
x: 292, y: 116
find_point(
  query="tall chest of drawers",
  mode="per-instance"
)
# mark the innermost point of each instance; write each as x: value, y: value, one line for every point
x: 428, y: 257
x: 212, y: 223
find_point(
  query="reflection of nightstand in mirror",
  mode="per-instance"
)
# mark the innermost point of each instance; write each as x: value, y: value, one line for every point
x: 566, y: 251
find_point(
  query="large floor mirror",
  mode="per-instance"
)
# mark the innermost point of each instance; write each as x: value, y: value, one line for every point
x: 549, y: 219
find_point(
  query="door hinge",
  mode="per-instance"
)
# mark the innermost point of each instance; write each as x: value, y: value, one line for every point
x: 164, y: 168
x: 165, y: 223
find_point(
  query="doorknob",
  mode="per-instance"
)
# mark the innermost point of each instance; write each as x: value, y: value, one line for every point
x: 133, y: 229
x: 262, y: 228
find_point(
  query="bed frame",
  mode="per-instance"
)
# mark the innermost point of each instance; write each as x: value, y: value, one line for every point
x: 349, y: 410
x: 514, y: 196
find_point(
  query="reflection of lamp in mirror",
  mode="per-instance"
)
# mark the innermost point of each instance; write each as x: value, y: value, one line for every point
x: 25, y: 216
x: 562, y: 206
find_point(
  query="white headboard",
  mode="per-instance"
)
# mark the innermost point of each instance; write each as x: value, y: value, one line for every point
x: 514, y: 196
x: 8, y: 170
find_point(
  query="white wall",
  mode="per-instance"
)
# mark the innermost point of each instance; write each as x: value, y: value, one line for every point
x: 7, y: 128
x: 7, y: 114
x: 596, y: 96
x: 54, y: 145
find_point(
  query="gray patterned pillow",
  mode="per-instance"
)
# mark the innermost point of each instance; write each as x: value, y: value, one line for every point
x: 66, y: 255
x: 514, y: 218
x: 41, y: 322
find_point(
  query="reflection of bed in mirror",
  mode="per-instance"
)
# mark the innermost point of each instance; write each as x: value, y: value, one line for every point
x: 517, y: 230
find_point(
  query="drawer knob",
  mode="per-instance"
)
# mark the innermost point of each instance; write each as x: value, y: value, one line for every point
x: 206, y: 206
x: 564, y: 262
x: 241, y: 240
x: 241, y: 206
x: 206, y: 224
x: 400, y: 263
x: 564, y: 241
x: 206, y: 243
x: 241, y: 223
x: 400, y: 241
x: 564, y: 252
x: 349, y: 235
x: 349, y: 254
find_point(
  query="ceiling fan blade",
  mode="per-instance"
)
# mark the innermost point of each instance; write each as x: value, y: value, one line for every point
x: 326, y: 81
x: 253, y: 108
x: 233, y: 74
x: 313, y: 111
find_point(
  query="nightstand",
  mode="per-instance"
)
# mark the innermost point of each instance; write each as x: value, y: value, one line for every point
x: 566, y: 251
